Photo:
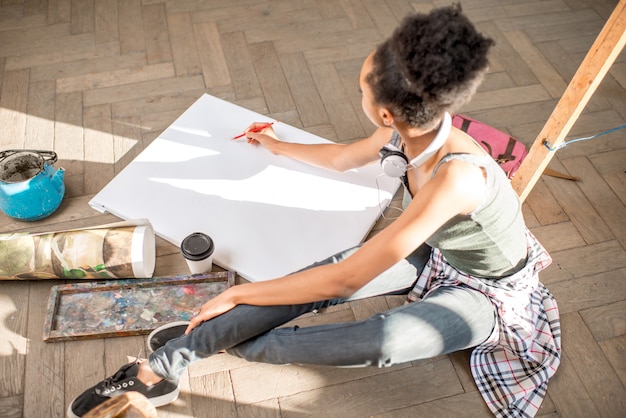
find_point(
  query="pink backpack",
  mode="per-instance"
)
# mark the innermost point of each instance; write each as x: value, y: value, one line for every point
x: 506, y: 150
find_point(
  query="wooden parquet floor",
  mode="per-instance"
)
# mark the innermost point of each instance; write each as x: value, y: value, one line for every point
x: 97, y: 80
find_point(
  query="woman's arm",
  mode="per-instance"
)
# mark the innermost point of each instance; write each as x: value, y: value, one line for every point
x: 337, y: 157
x: 457, y: 188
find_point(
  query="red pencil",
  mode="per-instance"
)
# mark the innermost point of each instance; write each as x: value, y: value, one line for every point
x: 257, y: 129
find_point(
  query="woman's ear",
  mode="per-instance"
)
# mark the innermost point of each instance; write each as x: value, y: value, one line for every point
x: 386, y: 116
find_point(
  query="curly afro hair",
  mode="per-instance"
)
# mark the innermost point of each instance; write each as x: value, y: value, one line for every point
x: 431, y: 64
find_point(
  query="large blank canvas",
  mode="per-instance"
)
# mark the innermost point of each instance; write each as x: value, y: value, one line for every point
x: 268, y: 215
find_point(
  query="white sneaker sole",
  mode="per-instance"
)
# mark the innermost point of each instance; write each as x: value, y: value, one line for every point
x: 165, y: 399
x: 157, y: 401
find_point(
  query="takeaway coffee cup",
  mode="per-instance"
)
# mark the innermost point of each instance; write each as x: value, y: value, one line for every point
x: 197, y: 248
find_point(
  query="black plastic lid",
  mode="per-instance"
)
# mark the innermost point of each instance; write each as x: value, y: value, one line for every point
x: 197, y: 246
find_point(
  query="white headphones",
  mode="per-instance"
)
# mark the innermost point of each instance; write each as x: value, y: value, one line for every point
x: 395, y: 163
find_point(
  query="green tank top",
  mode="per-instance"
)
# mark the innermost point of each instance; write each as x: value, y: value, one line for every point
x: 491, y: 241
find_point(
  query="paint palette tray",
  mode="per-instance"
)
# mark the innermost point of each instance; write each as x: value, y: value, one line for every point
x: 119, y: 308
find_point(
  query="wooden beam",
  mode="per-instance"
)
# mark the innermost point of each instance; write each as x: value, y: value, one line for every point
x: 592, y: 70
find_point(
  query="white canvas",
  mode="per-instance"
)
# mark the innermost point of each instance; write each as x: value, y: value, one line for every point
x: 268, y: 215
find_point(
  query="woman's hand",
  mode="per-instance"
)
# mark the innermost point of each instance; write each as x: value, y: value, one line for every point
x: 266, y: 136
x: 216, y: 306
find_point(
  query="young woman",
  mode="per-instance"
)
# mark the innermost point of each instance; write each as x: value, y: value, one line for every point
x: 474, y: 284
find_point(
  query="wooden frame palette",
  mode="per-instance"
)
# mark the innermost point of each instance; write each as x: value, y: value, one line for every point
x: 128, y: 307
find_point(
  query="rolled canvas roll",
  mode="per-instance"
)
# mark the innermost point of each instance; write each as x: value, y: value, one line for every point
x: 118, y: 250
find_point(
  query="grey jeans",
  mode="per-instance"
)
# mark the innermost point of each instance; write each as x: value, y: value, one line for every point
x: 448, y: 320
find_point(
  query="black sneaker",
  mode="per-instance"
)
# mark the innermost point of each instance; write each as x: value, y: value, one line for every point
x: 125, y: 380
x: 160, y: 336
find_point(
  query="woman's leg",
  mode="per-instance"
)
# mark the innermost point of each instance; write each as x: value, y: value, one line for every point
x: 450, y: 319
x: 246, y: 321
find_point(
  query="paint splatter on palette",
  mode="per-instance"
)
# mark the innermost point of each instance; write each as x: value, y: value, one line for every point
x: 128, y: 307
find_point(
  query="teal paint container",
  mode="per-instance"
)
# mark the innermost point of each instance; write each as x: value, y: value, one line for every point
x: 30, y: 187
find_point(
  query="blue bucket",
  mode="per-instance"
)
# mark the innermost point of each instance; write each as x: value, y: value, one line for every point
x: 30, y: 188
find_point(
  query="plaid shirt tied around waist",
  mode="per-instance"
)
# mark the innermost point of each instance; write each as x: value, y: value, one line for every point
x: 512, y: 367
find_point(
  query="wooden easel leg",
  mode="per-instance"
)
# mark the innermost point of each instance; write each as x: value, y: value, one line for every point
x: 553, y: 173
x: 594, y: 67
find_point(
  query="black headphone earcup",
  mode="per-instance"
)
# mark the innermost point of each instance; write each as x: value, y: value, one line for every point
x: 393, y: 162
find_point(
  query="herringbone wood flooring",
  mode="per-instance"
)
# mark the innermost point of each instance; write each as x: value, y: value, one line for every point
x: 97, y: 80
